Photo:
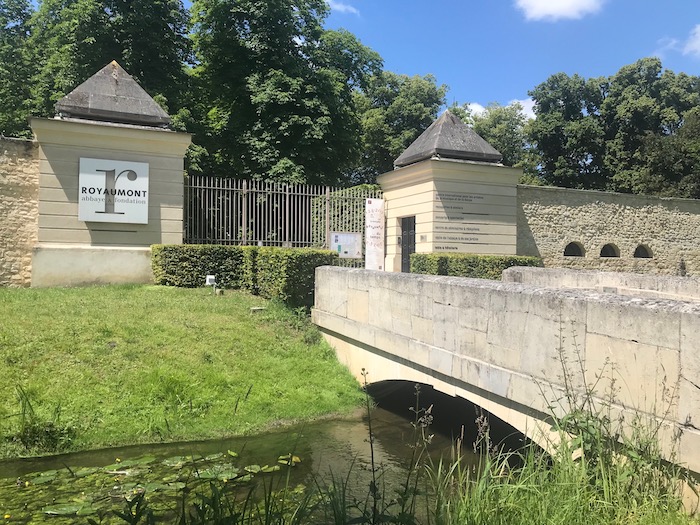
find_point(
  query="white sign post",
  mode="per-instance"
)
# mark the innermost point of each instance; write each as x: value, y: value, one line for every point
x: 374, y: 234
x: 113, y: 191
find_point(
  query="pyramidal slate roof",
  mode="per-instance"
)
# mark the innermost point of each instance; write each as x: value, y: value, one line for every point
x: 112, y: 95
x: 448, y: 138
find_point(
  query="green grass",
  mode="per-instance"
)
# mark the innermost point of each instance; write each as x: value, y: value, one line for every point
x: 132, y: 364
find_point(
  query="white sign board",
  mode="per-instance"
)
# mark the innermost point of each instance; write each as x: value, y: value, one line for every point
x: 113, y: 191
x: 348, y: 245
x: 374, y: 234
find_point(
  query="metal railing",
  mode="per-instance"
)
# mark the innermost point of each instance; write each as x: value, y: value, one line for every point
x: 243, y: 212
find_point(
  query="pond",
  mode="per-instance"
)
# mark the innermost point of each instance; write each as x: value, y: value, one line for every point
x: 71, y: 488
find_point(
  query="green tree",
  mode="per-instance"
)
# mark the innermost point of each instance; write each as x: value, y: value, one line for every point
x: 275, y: 90
x: 607, y: 133
x: 642, y: 100
x: 394, y: 110
x: 72, y: 39
x: 567, y: 135
x: 671, y: 162
x: 504, y: 128
x: 15, y: 67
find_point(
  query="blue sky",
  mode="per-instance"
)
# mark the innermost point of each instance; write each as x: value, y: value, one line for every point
x: 497, y: 50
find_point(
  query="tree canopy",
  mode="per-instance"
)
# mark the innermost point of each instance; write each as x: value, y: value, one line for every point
x: 269, y: 93
x: 613, y: 133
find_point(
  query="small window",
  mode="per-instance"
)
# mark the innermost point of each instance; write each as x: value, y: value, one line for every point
x: 574, y: 249
x: 642, y: 252
x: 610, y: 250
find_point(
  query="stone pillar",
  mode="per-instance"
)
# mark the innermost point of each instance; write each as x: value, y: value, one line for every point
x: 462, y: 198
x: 110, y: 185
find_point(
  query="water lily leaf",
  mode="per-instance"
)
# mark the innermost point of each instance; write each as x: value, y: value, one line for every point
x: 178, y: 461
x: 43, y: 478
x: 219, y: 472
x: 85, y: 471
x: 138, y: 461
x: 86, y: 510
x: 289, y: 459
x: 212, y: 457
x: 232, y: 453
x: 268, y: 469
x: 253, y: 469
x: 69, y: 509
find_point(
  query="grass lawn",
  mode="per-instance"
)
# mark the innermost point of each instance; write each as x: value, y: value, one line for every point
x: 102, y: 366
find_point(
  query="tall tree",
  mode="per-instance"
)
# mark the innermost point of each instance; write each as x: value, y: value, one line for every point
x: 567, y: 134
x: 601, y: 133
x: 72, y: 39
x: 504, y: 128
x: 394, y: 110
x: 15, y: 67
x: 671, y: 162
x: 276, y: 90
x: 642, y: 100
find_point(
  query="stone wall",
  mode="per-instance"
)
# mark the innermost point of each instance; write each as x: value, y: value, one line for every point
x: 651, y: 286
x: 19, y: 193
x: 551, y: 218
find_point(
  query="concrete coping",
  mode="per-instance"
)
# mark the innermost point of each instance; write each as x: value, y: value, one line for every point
x: 570, y: 294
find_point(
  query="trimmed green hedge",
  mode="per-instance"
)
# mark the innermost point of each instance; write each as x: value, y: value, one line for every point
x: 288, y: 273
x: 283, y: 273
x: 468, y: 265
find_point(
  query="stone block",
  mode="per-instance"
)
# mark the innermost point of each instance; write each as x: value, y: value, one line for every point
x: 689, y: 387
x: 640, y: 377
x: 642, y: 321
x: 422, y: 329
x: 445, y: 326
x: 358, y: 305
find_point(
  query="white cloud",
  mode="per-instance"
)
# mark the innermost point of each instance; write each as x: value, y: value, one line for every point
x: 343, y: 8
x: 528, y: 106
x: 666, y: 44
x: 557, y: 9
x: 692, y: 45
x: 475, y: 108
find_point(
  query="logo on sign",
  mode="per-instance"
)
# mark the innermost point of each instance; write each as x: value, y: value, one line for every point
x: 113, y: 191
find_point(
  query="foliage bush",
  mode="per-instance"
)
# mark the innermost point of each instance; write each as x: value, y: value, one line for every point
x: 468, y: 265
x: 288, y: 273
x: 274, y: 273
x: 187, y: 265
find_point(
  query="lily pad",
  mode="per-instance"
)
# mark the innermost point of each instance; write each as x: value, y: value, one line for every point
x: 43, y: 478
x: 85, y: 471
x: 232, y: 453
x: 68, y: 509
x: 212, y: 457
x: 223, y: 473
x: 253, y: 469
x: 267, y: 469
x: 289, y: 459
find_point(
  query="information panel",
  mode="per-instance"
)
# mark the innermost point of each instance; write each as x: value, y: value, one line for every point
x: 347, y: 245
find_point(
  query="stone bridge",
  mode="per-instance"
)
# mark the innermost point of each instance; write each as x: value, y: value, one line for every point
x: 512, y: 347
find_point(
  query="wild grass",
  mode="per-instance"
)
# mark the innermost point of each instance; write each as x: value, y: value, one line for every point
x: 587, y: 481
x: 118, y: 365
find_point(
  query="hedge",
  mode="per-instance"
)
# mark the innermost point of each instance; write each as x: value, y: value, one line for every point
x: 288, y: 273
x: 283, y: 273
x: 468, y: 265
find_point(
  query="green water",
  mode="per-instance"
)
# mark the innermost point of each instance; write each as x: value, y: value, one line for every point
x: 73, y: 487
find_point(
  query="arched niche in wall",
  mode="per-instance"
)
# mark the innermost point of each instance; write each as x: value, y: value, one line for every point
x: 642, y: 252
x: 574, y: 249
x: 610, y: 250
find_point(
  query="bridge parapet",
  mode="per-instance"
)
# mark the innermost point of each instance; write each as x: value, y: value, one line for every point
x: 506, y: 346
